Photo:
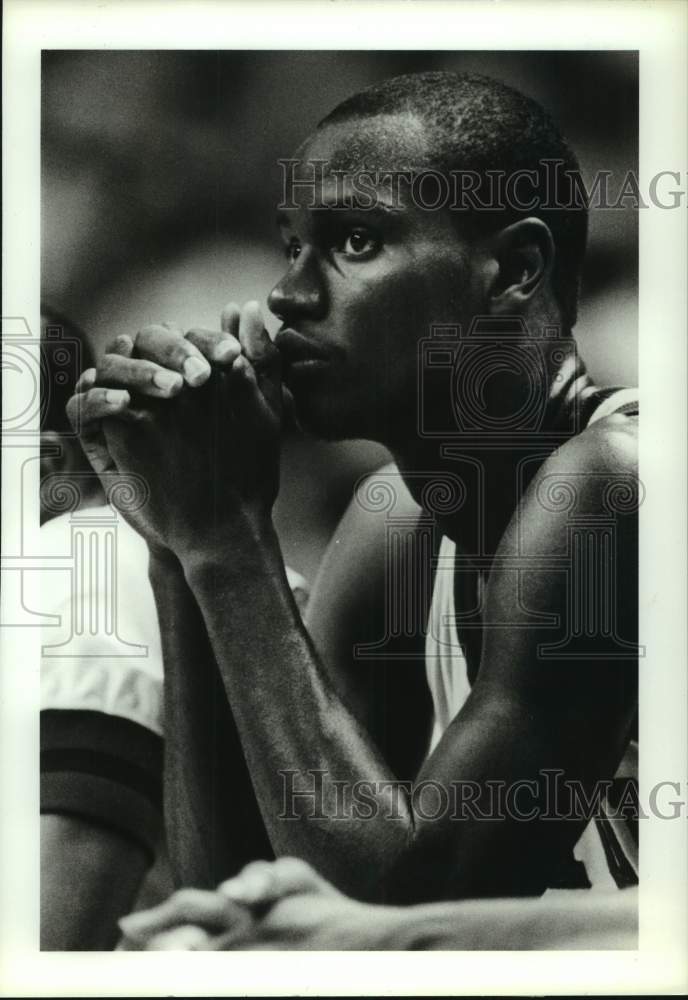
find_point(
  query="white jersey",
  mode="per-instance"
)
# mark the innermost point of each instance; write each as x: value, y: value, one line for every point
x: 103, y: 652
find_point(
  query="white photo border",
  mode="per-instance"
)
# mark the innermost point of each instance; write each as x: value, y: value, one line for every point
x: 658, y: 31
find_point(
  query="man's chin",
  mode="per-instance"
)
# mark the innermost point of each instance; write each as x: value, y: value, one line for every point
x: 321, y: 416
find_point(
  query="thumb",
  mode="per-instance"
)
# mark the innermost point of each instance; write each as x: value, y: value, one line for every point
x: 262, y: 353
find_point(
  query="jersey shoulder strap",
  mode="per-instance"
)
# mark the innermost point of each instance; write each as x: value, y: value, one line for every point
x: 603, y: 402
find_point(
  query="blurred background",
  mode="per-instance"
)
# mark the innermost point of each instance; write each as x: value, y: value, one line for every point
x: 160, y: 178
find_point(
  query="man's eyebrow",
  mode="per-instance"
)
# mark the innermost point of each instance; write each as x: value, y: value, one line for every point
x: 354, y: 205
x: 332, y: 207
x: 327, y: 205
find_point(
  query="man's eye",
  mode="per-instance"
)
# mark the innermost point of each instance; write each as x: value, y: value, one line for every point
x: 359, y: 242
x: 292, y: 250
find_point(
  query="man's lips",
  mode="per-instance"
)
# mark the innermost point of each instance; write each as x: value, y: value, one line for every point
x: 297, y: 349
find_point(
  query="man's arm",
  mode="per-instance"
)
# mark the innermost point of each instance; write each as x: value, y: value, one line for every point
x: 101, y: 819
x: 212, y: 823
x: 361, y: 601
x: 90, y: 875
x: 526, y: 713
x: 364, y: 833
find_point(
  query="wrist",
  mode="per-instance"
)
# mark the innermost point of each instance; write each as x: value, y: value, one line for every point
x: 237, y: 546
x: 162, y: 561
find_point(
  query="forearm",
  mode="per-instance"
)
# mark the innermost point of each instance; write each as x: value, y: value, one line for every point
x: 366, y: 832
x: 90, y: 876
x: 291, y: 719
x: 554, y: 922
x: 199, y: 748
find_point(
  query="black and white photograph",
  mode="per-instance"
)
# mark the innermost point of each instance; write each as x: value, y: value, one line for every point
x: 340, y: 529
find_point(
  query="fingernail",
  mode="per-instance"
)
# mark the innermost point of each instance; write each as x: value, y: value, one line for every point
x: 167, y: 381
x: 231, y: 888
x: 247, y: 888
x: 225, y: 350
x: 196, y: 371
x: 185, y: 938
x: 115, y: 397
x: 140, y: 917
x: 89, y: 376
x: 131, y: 926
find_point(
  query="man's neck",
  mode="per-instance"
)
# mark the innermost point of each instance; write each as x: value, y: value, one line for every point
x: 474, y: 481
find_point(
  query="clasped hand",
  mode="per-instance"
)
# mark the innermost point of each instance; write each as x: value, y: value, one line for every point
x: 196, y: 417
x: 277, y: 905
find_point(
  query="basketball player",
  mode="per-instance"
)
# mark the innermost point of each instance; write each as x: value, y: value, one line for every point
x: 426, y: 774
x: 101, y: 732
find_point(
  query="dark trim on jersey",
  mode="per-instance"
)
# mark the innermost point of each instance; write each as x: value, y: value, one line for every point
x: 588, y: 403
x: 618, y: 798
x: 103, y: 768
x: 619, y: 866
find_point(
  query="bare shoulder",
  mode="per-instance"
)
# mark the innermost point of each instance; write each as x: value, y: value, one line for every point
x: 609, y: 446
x: 595, y: 472
x: 585, y: 494
x: 352, y: 572
x: 565, y: 576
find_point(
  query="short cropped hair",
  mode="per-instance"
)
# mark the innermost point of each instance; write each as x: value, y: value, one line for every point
x: 478, y: 124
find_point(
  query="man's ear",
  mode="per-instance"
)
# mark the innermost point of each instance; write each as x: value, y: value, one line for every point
x: 524, y: 254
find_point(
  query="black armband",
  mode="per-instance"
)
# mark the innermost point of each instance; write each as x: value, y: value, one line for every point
x: 103, y: 768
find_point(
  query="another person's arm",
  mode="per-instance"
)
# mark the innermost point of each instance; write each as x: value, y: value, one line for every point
x: 90, y: 876
x: 101, y: 819
x: 288, y: 906
x: 101, y: 745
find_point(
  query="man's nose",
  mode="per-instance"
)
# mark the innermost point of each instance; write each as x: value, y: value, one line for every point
x: 300, y: 292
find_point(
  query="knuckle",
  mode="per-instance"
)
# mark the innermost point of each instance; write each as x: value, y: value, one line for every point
x: 200, y: 339
x: 151, y: 330
x: 294, y: 867
x: 178, y: 351
x: 122, y: 345
x: 114, y: 343
x: 72, y: 410
x: 151, y: 338
x: 196, y: 333
x: 106, y: 365
x: 184, y: 897
x: 257, y: 867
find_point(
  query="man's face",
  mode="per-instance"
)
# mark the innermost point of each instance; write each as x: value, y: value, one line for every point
x: 363, y: 285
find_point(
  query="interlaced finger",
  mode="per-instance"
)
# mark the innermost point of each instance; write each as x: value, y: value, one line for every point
x: 218, y: 346
x: 137, y: 375
x: 170, y: 349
